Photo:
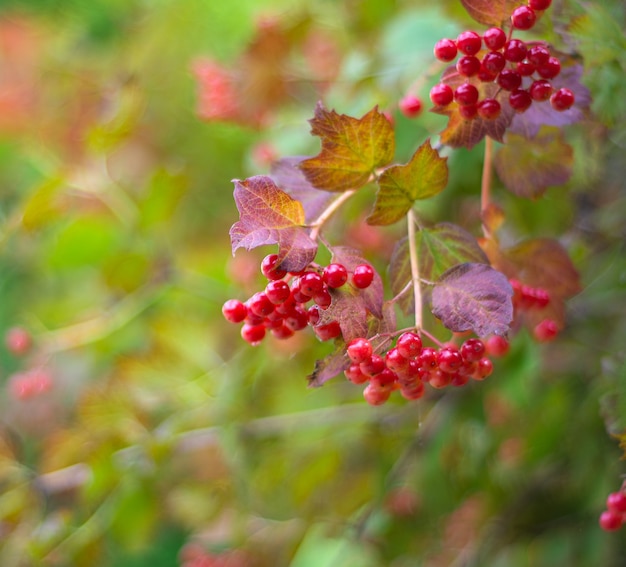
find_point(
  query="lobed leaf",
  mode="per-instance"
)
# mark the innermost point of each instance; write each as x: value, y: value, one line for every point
x: 474, y: 297
x: 329, y: 367
x: 349, y: 310
x: 399, y: 186
x: 267, y: 215
x: 491, y: 12
x: 528, y: 167
x: 351, y: 149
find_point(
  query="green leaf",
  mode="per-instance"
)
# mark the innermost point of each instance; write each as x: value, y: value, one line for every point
x: 351, y: 149
x: 43, y: 205
x: 527, y: 167
x: 424, y: 176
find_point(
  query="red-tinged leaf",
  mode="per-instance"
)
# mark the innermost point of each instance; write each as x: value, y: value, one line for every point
x: 474, y: 297
x: 438, y: 249
x: 373, y: 295
x: 267, y: 215
x: 348, y: 309
x: 287, y: 174
x: 491, y: 12
x: 399, y: 186
x: 541, y: 114
x: 460, y: 132
x: 528, y: 167
x: 329, y: 367
x: 352, y: 148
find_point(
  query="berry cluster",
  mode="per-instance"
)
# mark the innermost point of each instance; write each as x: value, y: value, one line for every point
x: 292, y: 301
x: 30, y: 384
x: 409, y: 365
x: 615, y: 515
x: 526, y: 297
x: 524, y: 70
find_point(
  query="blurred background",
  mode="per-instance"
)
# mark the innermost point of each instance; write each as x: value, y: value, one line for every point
x: 136, y: 428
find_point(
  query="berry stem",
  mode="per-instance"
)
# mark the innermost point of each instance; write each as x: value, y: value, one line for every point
x: 328, y: 212
x: 415, y: 274
x: 485, y: 185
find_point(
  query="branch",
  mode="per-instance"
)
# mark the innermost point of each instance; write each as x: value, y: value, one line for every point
x: 485, y: 185
x: 415, y: 274
x: 328, y: 212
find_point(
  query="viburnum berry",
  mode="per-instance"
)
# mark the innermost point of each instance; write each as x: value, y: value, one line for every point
x: 489, y: 109
x: 469, y: 42
x: 282, y: 332
x: 311, y: 283
x: 359, y: 350
x: 468, y: 65
x: 540, y: 90
x: 409, y: 345
x: 428, y: 358
x: 277, y: 291
x: 441, y: 94
x: 468, y: 112
x: 616, y: 501
x: 494, y: 39
x: 509, y: 80
x: 610, y: 521
x: 297, y: 319
x: 484, y: 368
x: 550, y: 69
x: 376, y: 395
x: 472, y: 350
x: 449, y: 360
x: 413, y: 391
x: 234, y: 311
x: 335, y: 275
x: 395, y: 361
x: 466, y: 94
x: 520, y: 100
x: 523, y: 18
x: 260, y: 305
x: 546, y: 331
x: 375, y: 364
x: 355, y: 375
x: 515, y: 50
x: 539, y: 4
x: 494, y: 61
x: 525, y: 68
x: 313, y: 315
x: 253, y: 334
x: 328, y: 331
x: 410, y: 106
x: 18, y: 340
x: 269, y: 268
x: 439, y: 379
x: 445, y: 50
x: 538, y: 55
x: 363, y: 276
x: 562, y: 99
x: 496, y: 345
x: 323, y: 298
x: 485, y: 75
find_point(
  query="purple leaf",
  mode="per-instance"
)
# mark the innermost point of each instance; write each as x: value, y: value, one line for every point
x: 349, y: 310
x: 474, y: 297
x: 329, y: 367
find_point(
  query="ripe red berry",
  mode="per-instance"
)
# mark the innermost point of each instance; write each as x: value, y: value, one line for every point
x: 359, y: 350
x: 539, y: 4
x: 395, y: 361
x: 540, y: 90
x: 376, y: 395
x: 297, y: 319
x: 525, y: 68
x: 323, y: 298
x: 410, y: 106
x: 277, y: 291
x: 260, y: 305
x: 269, y: 268
x: 466, y: 94
x: 427, y: 359
x: 328, y: 332
x: 311, y: 283
x: 562, y: 99
x: 520, y: 100
x: 363, y: 276
x: 354, y: 374
x: 489, y: 109
x: 413, y: 391
x: 335, y: 275
x: 486, y: 76
x: 494, y: 61
x: 409, y: 345
x: 523, y: 18
x: 546, y: 331
x: 469, y: 42
x: 484, y: 368
x: 538, y: 55
x: 616, y: 501
x: 234, y: 311
x: 468, y: 112
x: 468, y: 65
x: 515, y: 50
x: 375, y: 364
x: 472, y: 350
x: 610, y: 521
x: 509, y: 80
x: 18, y: 340
x: 313, y: 315
x: 253, y: 334
x: 550, y: 69
x: 281, y: 332
x: 494, y: 38
x: 449, y: 360
x: 441, y: 94
x: 439, y: 379
x: 445, y: 50
x: 496, y: 345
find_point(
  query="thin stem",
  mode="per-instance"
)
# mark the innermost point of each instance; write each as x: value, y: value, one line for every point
x: 485, y: 185
x: 328, y: 212
x: 415, y: 274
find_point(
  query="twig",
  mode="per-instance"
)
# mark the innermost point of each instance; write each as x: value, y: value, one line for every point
x: 485, y: 185
x: 415, y: 274
x: 328, y: 212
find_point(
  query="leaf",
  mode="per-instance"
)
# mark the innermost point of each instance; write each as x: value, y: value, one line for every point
x: 424, y: 176
x: 528, y: 167
x: 329, y: 367
x: 287, y: 174
x: 165, y: 190
x: 491, y: 12
x: 474, y: 297
x: 438, y: 249
x: 351, y: 149
x: 349, y: 310
x: 267, y: 215
x: 44, y: 205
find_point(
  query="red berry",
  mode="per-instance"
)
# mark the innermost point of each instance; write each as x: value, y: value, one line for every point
x: 313, y: 315
x: 376, y: 395
x: 234, y: 311
x: 327, y: 332
x: 494, y: 38
x: 395, y: 361
x: 515, y: 50
x: 18, y: 340
x: 253, y: 334
x: 363, y: 276
x: 550, y: 69
x: 441, y: 94
x: 616, y: 502
x: 260, y: 305
x: 269, y: 268
x: 449, y: 360
x: 539, y: 4
x: 466, y: 94
x: 496, y: 345
x: 385, y: 378
x: 610, y: 521
x: 354, y: 374
x: 410, y: 106
x: 468, y: 65
x: 409, y: 345
x: 428, y: 358
x: 489, y: 109
x: 445, y: 50
x: 297, y: 293
x: 375, y: 364
x: 486, y: 76
x: 484, y: 368
x: 468, y: 112
x: 520, y: 100
x: 546, y: 331
x: 469, y: 42
x: 523, y: 18
x: 359, y: 350
x: 414, y: 391
x: 297, y: 319
x: 335, y: 275
x: 282, y: 332
x: 509, y: 80
x: 540, y: 90
x: 538, y: 55
x: 494, y: 61
x: 472, y: 350
x: 311, y: 283
x: 277, y: 291
x: 323, y: 298
x: 562, y: 99
x: 439, y: 379
x: 525, y: 68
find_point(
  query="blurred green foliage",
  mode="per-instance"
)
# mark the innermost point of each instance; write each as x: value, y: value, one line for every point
x: 161, y: 427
